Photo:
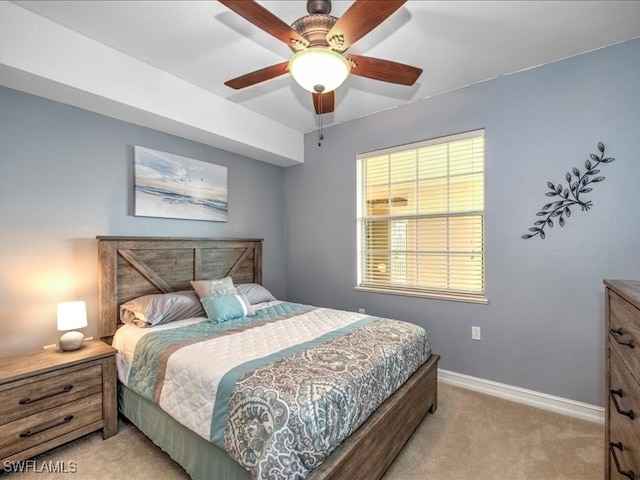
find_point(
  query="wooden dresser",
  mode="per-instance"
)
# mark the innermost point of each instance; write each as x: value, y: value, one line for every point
x: 50, y: 397
x: 622, y: 420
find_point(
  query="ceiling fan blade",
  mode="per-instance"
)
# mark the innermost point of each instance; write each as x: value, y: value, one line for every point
x: 324, y: 102
x: 258, y: 76
x: 359, y: 19
x: 384, y: 70
x: 267, y: 21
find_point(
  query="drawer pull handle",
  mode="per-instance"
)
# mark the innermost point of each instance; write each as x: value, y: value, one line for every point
x: 27, y: 401
x: 42, y: 428
x: 619, y: 331
x: 627, y: 473
x: 612, y: 394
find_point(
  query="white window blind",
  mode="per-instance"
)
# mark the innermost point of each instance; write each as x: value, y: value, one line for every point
x: 421, y: 218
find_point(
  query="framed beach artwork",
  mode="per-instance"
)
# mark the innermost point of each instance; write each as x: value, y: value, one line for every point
x: 171, y: 186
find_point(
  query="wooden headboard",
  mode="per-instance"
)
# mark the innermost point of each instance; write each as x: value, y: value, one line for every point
x: 135, y: 266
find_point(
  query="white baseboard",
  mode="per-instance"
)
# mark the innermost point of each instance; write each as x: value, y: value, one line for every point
x: 544, y: 401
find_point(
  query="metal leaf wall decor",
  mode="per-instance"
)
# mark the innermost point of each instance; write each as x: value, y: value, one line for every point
x: 578, y: 184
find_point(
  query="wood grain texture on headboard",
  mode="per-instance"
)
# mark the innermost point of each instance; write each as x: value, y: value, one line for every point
x: 134, y: 266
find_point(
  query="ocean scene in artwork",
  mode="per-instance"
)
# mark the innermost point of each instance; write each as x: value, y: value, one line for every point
x: 171, y: 186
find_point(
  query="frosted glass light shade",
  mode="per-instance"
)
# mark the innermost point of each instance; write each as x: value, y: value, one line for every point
x: 319, y: 70
x: 71, y: 315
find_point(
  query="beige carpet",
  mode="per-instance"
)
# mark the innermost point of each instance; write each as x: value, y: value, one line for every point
x: 471, y: 436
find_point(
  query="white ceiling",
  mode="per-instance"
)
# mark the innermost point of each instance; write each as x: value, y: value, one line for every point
x: 456, y: 43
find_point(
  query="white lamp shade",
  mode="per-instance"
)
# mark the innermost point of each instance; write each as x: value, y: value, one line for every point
x: 319, y: 70
x: 72, y: 315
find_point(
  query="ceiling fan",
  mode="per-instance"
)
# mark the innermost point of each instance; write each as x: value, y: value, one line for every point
x: 319, y: 42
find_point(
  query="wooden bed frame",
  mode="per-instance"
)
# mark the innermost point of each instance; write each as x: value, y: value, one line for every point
x: 135, y: 266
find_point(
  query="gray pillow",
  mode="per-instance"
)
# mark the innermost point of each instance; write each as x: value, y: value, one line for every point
x: 150, y: 310
x: 255, y: 292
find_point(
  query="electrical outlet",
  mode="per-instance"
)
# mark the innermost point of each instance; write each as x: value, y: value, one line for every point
x: 475, y: 333
x: 361, y: 310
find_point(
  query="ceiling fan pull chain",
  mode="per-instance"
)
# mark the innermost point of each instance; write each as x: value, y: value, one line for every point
x: 321, y: 137
x: 320, y: 90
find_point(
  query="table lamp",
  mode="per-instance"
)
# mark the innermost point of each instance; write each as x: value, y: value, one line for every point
x: 71, y: 316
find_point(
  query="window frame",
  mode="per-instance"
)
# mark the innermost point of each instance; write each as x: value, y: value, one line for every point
x: 362, y: 221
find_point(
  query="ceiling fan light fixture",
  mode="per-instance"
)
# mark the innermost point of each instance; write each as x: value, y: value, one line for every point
x: 319, y: 70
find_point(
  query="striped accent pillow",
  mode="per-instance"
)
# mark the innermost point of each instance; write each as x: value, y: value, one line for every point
x: 227, y: 307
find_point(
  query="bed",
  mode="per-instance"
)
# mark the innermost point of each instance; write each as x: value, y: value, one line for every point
x: 134, y: 267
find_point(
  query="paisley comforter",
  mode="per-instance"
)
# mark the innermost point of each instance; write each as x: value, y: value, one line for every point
x: 281, y: 390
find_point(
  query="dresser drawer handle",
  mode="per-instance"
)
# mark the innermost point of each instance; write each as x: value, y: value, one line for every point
x: 42, y: 428
x: 612, y: 394
x: 619, y: 331
x: 27, y: 401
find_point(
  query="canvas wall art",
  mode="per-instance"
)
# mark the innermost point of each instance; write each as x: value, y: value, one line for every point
x: 171, y: 186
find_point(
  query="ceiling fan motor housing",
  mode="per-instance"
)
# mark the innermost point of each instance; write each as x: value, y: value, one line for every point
x: 314, y: 28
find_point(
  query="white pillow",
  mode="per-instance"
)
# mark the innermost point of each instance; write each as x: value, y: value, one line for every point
x: 214, y: 288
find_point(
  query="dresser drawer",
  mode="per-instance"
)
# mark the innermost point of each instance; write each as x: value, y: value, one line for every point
x: 624, y: 332
x: 624, y: 393
x: 45, y: 391
x: 27, y: 432
x: 623, y: 434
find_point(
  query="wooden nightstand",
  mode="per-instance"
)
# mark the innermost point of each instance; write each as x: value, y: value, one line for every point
x: 50, y: 397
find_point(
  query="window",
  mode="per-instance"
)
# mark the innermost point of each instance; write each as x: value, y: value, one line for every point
x: 421, y: 218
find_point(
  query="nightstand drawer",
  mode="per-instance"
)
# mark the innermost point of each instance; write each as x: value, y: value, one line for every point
x: 41, y: 427
x: 42, y: 392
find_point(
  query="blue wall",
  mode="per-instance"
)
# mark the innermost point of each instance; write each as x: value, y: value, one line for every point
x: 66, y: 177
x: 543, y: 327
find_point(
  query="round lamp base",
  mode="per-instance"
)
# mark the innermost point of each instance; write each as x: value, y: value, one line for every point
x: 71, y: 341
